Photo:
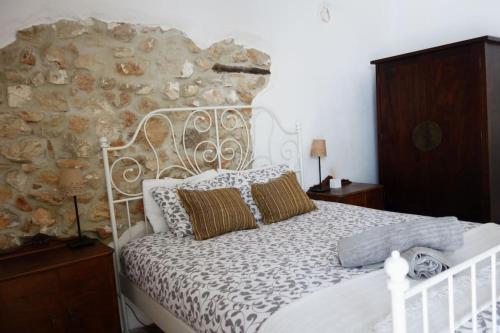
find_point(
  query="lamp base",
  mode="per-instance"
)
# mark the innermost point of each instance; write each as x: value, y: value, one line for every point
x: 81, y: 242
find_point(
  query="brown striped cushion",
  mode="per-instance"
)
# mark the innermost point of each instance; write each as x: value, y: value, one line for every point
x: 281, y: 198
x: 216, y: 212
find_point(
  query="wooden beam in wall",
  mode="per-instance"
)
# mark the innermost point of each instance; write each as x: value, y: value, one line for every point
x: 219, y: 68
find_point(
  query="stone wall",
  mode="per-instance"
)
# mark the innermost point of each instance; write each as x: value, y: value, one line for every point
x: 64, y: 85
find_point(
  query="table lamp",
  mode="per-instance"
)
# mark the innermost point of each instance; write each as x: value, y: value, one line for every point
x: 318, y: 149
x: 71, y: 184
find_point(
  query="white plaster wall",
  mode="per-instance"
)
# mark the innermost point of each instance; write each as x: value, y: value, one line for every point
x: 321, y: 74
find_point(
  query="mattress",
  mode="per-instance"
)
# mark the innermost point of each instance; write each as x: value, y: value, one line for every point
x: 234, y: 282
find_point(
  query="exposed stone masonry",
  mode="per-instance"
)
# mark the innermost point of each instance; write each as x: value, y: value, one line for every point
x: 64, y: 85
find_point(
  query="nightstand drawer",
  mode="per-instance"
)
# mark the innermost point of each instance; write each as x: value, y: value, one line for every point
x: 89, y: 292
x: 77, y: 279
x: 375, y: 199
x: 358, y: 199
x: 59, y: 290
x: 28, y: 288
x: 95, y: 304
x: 358, y: 194
x: 30, y: 305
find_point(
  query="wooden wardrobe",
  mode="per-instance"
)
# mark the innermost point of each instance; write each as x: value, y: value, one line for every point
x: 438, y: 120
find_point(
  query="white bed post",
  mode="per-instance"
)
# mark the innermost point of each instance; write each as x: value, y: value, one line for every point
x: 298, y: 129
x: 397, y: 268
x: 123, y: 311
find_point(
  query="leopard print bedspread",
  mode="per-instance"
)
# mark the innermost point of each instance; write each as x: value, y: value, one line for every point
x: 234, y: 282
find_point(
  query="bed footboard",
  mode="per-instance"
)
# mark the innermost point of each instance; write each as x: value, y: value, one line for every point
x: 474, y: 279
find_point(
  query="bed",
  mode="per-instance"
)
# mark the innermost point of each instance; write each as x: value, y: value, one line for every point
x: 238, y: 281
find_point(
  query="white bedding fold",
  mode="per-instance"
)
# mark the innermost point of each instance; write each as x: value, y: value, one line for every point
x: 363, y: 304
x: 424, y: 262
x: 375, y: 245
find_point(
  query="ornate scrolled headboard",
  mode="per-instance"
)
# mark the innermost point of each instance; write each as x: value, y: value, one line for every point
x: 181, y: 142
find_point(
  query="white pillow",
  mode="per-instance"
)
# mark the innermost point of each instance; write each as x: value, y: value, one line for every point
x: 151, y: 210
x: 259, y: 171
x: 135, y: 231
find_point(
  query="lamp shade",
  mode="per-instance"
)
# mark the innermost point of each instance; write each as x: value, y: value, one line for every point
x: 71, y: 182
x: 318, y: 148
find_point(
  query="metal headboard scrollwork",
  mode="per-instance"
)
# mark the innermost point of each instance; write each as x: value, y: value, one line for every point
x: 227, y: 137
x: 181, y: 142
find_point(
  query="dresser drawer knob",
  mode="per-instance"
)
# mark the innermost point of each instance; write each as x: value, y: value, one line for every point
x: 53, y: 321
x: 71, y: 314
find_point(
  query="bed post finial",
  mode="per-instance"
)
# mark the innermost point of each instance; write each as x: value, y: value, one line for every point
x: 397, y: 268
x: 104, y: 142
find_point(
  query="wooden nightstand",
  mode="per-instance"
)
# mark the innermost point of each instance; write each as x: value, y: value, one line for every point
x: 56, y: 289
x: 359, y: 194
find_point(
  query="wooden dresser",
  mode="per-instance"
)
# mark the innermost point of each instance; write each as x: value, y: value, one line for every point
x: 438, y: 115
x: 358, y: 194
x: 56, y: 289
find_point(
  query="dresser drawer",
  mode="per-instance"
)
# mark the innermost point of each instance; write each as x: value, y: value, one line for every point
x: 29, y: 304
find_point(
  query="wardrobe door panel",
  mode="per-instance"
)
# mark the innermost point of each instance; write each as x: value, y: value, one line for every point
x: 400, y: 95
x: 453, y: 169
x: 493, y: 78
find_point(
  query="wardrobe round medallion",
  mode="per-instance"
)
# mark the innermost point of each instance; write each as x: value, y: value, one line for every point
x: 427, y: 136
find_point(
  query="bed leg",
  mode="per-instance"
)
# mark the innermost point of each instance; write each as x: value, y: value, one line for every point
x: 124, y: 316
x: 396, y: 269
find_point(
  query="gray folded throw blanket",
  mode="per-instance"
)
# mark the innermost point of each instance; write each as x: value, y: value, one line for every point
x: 424, y: 262
x: 375, y: 245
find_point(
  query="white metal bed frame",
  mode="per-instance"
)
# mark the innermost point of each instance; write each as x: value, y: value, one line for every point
x: 216, y: 149
x: 396, y: 268
x: 212, y: 121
